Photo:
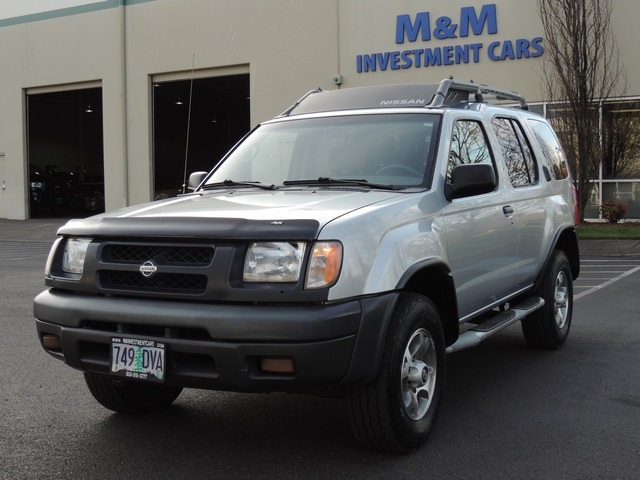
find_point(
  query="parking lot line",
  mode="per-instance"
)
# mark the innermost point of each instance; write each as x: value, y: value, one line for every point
x: 606, y: 283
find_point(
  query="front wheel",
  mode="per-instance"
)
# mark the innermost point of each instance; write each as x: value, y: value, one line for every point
x: 130, y: 397
x: 548, y: 327
x: 397, y: 410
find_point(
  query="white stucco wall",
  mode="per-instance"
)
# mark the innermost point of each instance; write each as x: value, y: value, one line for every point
x: 286, y: 46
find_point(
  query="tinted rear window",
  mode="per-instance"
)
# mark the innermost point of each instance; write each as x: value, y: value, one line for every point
x: 553, y: 155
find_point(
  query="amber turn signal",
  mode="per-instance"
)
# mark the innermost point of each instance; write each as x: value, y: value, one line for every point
x: 284, y: 365
x: 52, y: 342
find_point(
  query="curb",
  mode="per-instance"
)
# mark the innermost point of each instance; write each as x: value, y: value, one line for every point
x: 609, y: 248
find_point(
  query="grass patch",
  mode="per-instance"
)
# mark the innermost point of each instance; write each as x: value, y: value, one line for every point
x: 609, y: 231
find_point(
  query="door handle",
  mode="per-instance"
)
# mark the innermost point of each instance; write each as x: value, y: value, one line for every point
x: 508, y: 210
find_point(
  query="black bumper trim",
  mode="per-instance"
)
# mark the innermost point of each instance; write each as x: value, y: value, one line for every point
x: 333, y: 346
x: 228, y: 322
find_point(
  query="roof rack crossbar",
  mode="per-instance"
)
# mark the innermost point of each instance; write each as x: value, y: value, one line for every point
x: 477, y: 89
x: 295, y: 105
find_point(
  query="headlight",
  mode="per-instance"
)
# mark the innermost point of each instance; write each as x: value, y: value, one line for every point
x: 324, y: 264
x: 273, y: 262
x: 74, y: 252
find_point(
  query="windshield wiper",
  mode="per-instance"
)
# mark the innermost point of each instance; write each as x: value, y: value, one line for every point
x: 233, y: 183
x: 341, y: 181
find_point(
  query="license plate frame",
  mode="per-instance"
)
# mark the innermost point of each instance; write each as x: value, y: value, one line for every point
x: 138, y: 359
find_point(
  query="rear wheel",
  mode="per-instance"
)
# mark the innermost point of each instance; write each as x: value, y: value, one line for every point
x: 130, y: 397
x: 397, y: 411
x: 549, y: 326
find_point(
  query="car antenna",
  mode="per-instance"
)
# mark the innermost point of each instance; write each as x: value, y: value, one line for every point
x: 186, y: 151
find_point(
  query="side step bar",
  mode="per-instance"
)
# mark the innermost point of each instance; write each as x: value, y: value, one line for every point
x: 482, y: 331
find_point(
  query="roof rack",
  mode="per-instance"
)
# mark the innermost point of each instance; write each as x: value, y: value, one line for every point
x: 450, y: 88
x: 448, y: 93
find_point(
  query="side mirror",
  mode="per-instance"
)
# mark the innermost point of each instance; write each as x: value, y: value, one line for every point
x: 471, y: 179
x: 195, y: 179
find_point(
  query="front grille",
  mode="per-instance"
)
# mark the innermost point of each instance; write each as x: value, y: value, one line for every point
x: 188, y: 265
x: 160, y: 282
x: 162, y: 254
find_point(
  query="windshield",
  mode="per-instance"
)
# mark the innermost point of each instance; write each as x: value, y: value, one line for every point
x: 389, y: 149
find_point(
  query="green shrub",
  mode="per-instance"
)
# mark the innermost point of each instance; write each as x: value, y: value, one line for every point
x: 612, y: 211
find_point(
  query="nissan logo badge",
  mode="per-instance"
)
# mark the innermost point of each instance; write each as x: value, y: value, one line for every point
x: 148, y: 268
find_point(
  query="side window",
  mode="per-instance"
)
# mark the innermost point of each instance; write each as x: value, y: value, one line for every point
x: 468, y: 145
x: 515, y: 151
x: 554, y: 158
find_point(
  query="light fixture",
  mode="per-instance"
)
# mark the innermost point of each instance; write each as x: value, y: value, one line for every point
x: 88, y: 109
x: 179, y: 101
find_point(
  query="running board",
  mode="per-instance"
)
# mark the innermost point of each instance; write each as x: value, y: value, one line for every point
x: 482, y: 331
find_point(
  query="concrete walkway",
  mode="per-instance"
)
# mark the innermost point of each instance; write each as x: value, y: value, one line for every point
x: 44, y: 230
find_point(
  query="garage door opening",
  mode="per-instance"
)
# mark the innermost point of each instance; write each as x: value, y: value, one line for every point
x: 220, y: 116
x: 65, y: 153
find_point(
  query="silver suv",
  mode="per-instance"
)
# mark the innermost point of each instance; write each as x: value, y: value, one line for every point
x: 344, y: 247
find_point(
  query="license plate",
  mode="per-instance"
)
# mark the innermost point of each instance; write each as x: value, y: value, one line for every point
x: 137, y: 359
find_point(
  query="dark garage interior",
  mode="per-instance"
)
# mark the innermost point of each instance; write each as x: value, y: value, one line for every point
x: 65, y: 152
x: 65, y: 140
x: 219, y: 117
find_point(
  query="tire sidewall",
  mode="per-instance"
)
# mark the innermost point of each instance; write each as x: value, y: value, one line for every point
x: 129, y: 397
x: 421, y: 314
x: 560, y: 264
x: 540, y: 328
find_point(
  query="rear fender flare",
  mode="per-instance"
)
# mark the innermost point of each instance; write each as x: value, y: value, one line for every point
x: 567, y: 241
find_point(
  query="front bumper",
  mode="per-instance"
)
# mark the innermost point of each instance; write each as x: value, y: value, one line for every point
x: 219, y: 346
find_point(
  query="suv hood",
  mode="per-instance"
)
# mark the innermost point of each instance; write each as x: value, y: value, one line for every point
x: 231, y: 213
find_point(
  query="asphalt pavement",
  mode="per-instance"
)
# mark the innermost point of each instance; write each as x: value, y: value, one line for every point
x: 44, y: 230
x: 33, y: 230
x: 508, y: 411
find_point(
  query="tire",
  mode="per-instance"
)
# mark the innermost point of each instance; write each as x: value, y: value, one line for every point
x: 548, y: 327
x: 123, y: 396
x: 397, y: 410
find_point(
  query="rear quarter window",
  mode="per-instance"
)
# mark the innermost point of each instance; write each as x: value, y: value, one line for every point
x: 552, y: 154
x: 515, y: 151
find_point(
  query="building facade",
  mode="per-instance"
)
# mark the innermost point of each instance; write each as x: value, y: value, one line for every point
x: 121, y: 98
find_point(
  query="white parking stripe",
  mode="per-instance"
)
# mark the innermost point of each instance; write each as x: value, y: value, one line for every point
x: 582, y: 279
x: 607, y: 283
